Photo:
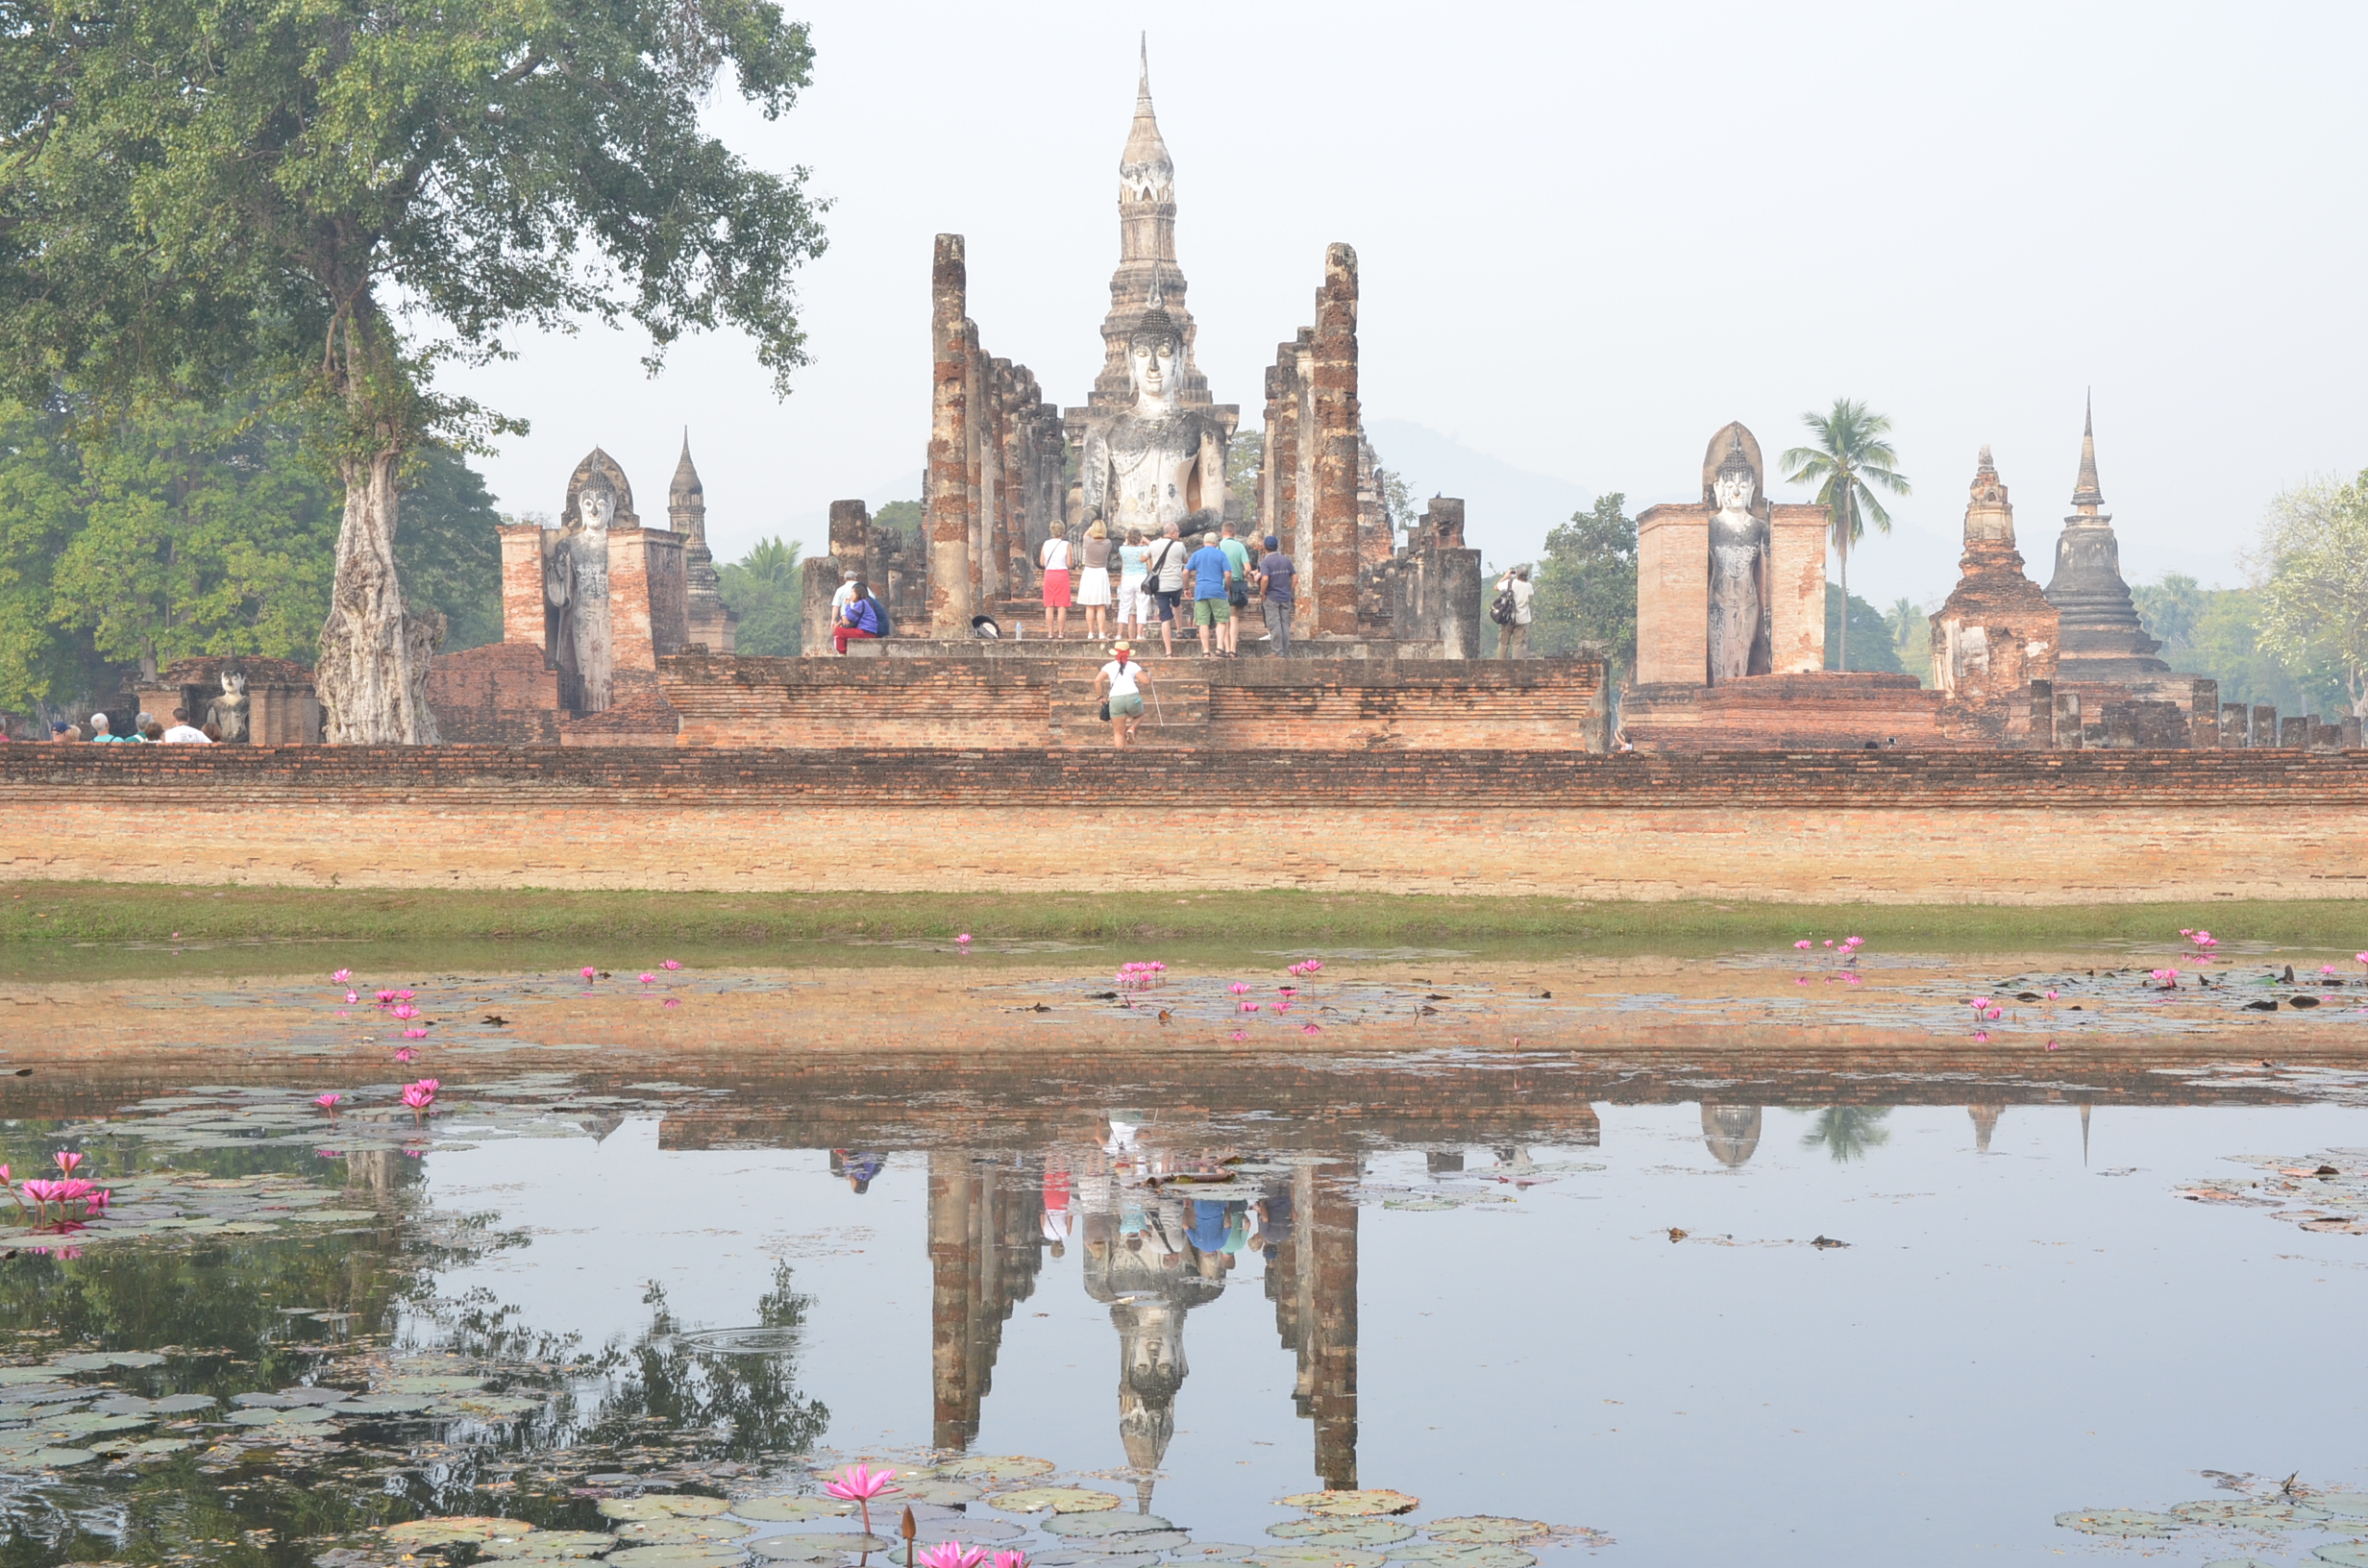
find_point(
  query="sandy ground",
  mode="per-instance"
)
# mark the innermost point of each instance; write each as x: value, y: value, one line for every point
x: 1762, y: 1007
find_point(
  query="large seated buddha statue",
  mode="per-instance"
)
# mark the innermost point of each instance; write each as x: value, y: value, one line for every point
x: 1156, y: 462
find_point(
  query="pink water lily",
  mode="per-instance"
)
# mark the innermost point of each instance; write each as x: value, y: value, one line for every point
x: 670, y: 964
x: 1311, y: 1029
x: 342, y: 976
x: 648, y: 979
x: 859, y: 1485
x: 1803, y: 944
x: 671, y: 1001
x: 963, y: 941
x: 1249, y: 1007
x: 2051, y: 995
x: 415, y: 1034
x: 1239, y: 1034
x: 329, y: 1101
x: 405, y: 1053
x: 1239, y: 989
x: 404, y: 1010
x: 352, y: 996
x: 420, y: 1097
x: 952, y: 1554
x: 1981, y: 1037
x: 385, y: 996
x: 67, y: 1160
x: 1010, y: 1559
x: 588, y: 971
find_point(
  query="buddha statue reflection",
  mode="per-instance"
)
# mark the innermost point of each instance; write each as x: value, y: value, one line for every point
x: 1158, y: 462
x: 1739, y: 572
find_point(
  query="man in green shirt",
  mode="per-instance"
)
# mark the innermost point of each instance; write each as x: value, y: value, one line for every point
x: 1229, y: 635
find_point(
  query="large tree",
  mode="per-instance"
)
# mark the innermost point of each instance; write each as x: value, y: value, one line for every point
x: 1850, y: 457
x: 2313, y: 597
x: 767, y: 591
x: 1587, y: 585
x: 194, y: 193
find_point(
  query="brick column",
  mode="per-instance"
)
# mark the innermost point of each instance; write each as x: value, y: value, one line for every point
x: 1334, y: 578
x: 950, y: 469
x: 522, y: 583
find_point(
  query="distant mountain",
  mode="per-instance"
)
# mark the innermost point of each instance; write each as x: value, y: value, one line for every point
x: 1507, y: 510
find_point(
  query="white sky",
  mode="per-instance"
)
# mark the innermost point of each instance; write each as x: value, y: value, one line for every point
x: 1589, y: 235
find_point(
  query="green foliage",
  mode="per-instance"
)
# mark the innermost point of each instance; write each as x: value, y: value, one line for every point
x: 2216, y: 633
x: 909, y: 518
x: 41, y: 511
x: 1846, y: 1132
x: 449, y: 556
x: 1877, y: 651
x: 1912, y: 637
x: 1244, y: 455
x: 1586, y: 585
x: 766, y: 590
x: 2313, y: 603
x: 1850, y: 455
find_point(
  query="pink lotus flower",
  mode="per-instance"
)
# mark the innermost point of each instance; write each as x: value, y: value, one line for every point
x: 406, y: 996
x: 1981, y: 1004
x: 2051, y: 995
x: 1849, y: 979
x: 1801, y: 981
x: 952, y: 1554
x: 1249, y: 1007
x: 963, y: 941
x: 1996, y: 1012
x: 670, y: 964
x: 671, y: 1001
x: 67, y: 1160
x: 1981, y: 1037
x: 2327, y: 968
x: 588, y: 971
x: 404, y: 1010
x: 1294, y: 991
x: 1310, y: 1029
x: 2052, y: 1046
x: 385, y: 996
x: 342, y: 976
x: 859, y: 1485
x: 1803, y: 944
x: 415, y: 1034
x: 1828, y: 941
x: 405, y: 1053
x: 421, y: 1095
x: 1239, y: 1034
x: 329, y: 1101
x: 1853, y: 941
x: 352, y: 997
x: 648, y: 979
x: 1011, y: 1559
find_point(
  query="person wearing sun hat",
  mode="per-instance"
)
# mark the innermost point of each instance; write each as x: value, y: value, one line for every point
x: 1117, y: 686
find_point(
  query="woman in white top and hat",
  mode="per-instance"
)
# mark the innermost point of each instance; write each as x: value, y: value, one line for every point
x: 1119, y: 683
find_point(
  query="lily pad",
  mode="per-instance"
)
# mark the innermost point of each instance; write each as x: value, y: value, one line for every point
x: 1090, y: 1525
x: 2120, y: 1522
x: 58, y: 1458
x: 789, y: 1510
x: 258, y: 1416
x: 183, y: 1404
x: 383, y: 1405
x: 1086, y: 1557
x: 1055, y: 1500
x: 1354, y: 1504
x: 549, y: 1544
x: 817, y: 1545
x: 676, y: 1557
x: 661, y: 1506
x: 2342, y: 1505
x: 2248, y: 1513
x: 425, y: 1382
x: 1317, y: 1557
x: 1451, y: 1555
x: 12, y: 1375
x: 164, y: 1445
x: 2344, y: 1554
x: 943, y: 1494
x: 1319, y: 1531
x: 992, y: 1467
x: 1486, y: 1530
x: 459, y: 1528
x: 1131, y: 1541
x: 682, y: 1532
x: 1215, y: 1552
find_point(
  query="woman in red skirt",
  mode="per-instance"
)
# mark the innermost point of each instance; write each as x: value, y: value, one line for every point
x: 1055, y: 559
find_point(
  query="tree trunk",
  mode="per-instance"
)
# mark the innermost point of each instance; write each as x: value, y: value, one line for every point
x: 1841, y: 541
x: 373, y: 673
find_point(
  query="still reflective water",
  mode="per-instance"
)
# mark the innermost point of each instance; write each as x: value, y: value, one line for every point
x: 1681, y: 1312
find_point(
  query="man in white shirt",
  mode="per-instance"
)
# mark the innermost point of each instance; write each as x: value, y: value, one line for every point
x: 1513, y: 639
x: 182, y: 733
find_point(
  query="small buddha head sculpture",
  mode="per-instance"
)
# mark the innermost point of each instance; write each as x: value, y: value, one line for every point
x: 1152, y: 349
x: 596, y: 505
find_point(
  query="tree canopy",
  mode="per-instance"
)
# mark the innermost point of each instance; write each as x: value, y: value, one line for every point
x: 2313, y: 596
x: 200, y: 195
x: 765, y: 589
x: 1586, y: 585
x: 1850, y: 461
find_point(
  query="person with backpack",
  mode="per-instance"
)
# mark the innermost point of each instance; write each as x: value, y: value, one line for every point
x: 860, y: 617
x: 1118, y: 687
x: 1165, y: 579
x: 1511, y: 613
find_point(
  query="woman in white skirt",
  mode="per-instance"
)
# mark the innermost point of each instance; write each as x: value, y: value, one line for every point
x: 1134, y: 604
x: 1093, y: 583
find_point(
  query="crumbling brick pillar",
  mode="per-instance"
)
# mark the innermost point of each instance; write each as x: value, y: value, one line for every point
x: 2232, y: 726
x: 949, y: 439
x: 2265, y: 725
x: 1337, y: 429
x: 523, y: 617
x: 2042, y: 714
x: 2067, y: 721
x: 2204, y: 711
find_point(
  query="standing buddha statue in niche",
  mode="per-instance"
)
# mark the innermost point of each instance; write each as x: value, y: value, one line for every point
x: 1156, y: 463
x: 1739, y: 568
x: 576, y: 588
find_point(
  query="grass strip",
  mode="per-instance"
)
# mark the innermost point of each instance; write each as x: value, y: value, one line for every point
x: 63, y: 914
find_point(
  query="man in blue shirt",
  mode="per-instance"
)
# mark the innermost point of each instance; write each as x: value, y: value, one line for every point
x: 1211, y: 569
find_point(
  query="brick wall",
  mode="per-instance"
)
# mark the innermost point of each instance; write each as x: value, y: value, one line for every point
x: 1896, y: 826
x: 502, y: 694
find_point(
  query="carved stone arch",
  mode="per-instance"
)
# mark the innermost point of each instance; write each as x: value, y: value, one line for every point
x: 606, y: 466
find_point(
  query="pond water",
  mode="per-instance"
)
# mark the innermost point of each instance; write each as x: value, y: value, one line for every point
x: 1461, y: 1308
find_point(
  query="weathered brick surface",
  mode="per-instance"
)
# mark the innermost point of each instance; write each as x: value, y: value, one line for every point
x: 1894, y: 826
x: 503, y: 694
x: 1824, y: 710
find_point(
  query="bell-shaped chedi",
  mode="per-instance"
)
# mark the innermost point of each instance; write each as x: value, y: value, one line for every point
x: 2104, y: 640
x: 1997, y: 633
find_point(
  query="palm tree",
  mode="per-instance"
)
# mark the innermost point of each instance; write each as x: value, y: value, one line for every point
x: 773, y: 561
x: 1848, y: 1131
x: 1850, y: 454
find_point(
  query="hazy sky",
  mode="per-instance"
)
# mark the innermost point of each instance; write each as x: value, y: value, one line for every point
x: 1589, y: 236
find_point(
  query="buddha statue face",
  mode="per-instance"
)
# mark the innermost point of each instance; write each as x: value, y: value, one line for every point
x: 1151, y: 360
x: 1733, y: 490
x: 596, y: 507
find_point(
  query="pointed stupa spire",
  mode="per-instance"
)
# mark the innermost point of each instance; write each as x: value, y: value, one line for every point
x: 1146, y: 172
x: 686, y: 473
x: 2086, y: 497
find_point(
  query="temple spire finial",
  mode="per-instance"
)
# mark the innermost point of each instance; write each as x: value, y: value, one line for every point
x: 1142, y: 84
x: 2086, y: 495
